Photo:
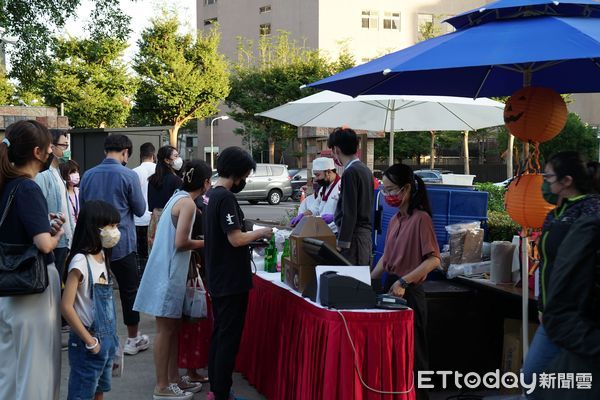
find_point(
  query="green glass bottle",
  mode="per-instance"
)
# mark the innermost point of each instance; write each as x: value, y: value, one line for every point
x: 271, y: 256
x: 284, y: 255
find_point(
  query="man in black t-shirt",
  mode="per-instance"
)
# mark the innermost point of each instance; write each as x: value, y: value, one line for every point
x: 227, y: 253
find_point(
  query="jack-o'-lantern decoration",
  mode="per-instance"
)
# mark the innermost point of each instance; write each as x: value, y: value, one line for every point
x: 525, y: 203
x: 535, y: 114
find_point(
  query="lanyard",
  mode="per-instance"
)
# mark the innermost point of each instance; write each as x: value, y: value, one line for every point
x: 75, y: 204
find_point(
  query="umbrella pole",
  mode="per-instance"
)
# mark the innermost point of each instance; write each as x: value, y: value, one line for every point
x: 525, y: 294
x: 392, y: 117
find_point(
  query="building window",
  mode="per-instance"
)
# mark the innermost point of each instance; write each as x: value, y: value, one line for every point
x: 210, y: 21
x: 207, y: 121
x: 370, y: 19
x: 264, y: 30
x: 424, y: 20
x: 391, y: 20
x: 264, y: 9
x: 207, y: 2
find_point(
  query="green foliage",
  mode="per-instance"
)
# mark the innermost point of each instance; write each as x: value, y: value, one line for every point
x: 182, y: 76
x: 33, y: 22
x: 89, y: 77
x: 406, y: 145
x: 7, y: 90
x: 271, y: 75
x: 495, y: 195
x: 501, y: 226
x: 576, y: 135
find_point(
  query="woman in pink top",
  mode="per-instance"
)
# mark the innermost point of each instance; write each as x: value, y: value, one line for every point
x: 410, y: 252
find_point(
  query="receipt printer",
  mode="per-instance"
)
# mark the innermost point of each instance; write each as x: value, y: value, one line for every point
x: 344, y: 292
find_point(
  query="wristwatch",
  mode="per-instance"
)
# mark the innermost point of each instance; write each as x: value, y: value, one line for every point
x: 403, y: 283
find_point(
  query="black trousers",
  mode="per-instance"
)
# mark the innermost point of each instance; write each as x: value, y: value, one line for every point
x: 126, y: 272
x: 142, y: 248
x: 415, y: 299
x: 229, y: 315
x: 361, y: 248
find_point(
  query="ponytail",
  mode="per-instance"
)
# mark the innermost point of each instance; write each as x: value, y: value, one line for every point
x: 594, y: 173
x: 400, y: 175
x: 16, y: 150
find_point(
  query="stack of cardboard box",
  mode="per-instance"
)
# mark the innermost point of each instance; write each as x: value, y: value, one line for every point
x: 300, y: 266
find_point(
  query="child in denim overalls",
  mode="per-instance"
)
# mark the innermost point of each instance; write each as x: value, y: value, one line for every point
x: 88, y: 304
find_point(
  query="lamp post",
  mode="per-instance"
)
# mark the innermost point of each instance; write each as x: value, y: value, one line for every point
x: 212, y: 150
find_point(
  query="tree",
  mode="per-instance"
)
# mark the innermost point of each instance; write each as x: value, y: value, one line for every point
x: 182, y: 77
x: 269, y: 76
x: 407, y: 145
x: 90, y: 78
x: 7, y: 90
x: 33, y: 22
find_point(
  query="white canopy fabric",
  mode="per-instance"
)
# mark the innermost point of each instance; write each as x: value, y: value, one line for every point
x: 390, y: 113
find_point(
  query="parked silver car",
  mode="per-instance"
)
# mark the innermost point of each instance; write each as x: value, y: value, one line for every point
x: 270, y: 182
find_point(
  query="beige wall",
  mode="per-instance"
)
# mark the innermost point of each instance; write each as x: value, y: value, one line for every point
x: 587, y: 105
x: 323, y: 24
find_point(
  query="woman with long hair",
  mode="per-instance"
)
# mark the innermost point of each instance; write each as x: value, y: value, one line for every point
x: 69, y: 171
x: 163, y: 285
x: 411, y: 251
x: 164, y: 182
x: 29, y: 324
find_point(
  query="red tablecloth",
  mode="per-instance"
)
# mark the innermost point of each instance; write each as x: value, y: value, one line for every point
x: 292, y: 349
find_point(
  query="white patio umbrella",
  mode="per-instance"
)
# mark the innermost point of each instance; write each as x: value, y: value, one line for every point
x: 390, y: 113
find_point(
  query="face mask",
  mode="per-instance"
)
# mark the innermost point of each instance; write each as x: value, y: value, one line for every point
x: 46, y: 165
x: 66, y: 156
x: 322, y: 182
x: 177, y: 163
x: 74, y: 178
x: 394, y: 200
x: 550, y: 197
x: 239, y: 187
x: 109, y: 236
x: 316, y: 187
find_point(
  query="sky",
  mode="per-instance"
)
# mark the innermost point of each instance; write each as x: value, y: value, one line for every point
x: 141, y: 12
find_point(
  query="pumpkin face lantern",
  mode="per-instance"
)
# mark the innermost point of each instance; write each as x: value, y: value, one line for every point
x: 535, y: 113
x: 524, y: 201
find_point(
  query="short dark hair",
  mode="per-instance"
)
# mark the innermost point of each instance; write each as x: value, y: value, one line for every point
x: 56, y: 134
x: 195, y: 173
x: 345, y: 139
x: 234, y: 162
x: 67, y: 168
x: 118, y: 142
x: 147, y: 150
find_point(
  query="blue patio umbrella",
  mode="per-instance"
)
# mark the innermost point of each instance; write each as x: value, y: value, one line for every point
x: 495, y: 51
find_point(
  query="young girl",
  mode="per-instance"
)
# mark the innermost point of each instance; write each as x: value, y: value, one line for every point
x: 88, y: 304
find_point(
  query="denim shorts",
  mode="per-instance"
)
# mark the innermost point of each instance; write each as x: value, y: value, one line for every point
x: 90, y: 373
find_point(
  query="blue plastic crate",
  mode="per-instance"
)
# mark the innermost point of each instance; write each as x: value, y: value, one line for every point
x: 449, y: 205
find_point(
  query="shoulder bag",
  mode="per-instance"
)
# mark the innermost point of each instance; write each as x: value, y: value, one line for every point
x: 23, y: 267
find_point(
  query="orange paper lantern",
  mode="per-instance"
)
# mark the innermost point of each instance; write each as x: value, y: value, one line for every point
x: 525, y: 203
x: 535, y: 113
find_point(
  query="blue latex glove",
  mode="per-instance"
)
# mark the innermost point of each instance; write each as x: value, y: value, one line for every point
x: 328, y: 218
x: 296, y: 219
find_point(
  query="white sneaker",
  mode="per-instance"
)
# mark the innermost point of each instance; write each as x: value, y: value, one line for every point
x: 172, y: 392
x: 134, y: 346
x: 186, y: 384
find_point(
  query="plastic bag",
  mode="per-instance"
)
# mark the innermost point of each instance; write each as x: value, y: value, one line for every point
x: 195, y: 302
x: 465, y: 242
x: 469, y: 269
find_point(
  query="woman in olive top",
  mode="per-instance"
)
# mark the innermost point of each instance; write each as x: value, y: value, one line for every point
x: 568, y: 182
x: 411, y: 251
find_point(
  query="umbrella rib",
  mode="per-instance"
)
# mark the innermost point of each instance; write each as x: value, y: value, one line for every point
x: 319, y: 114
x: 457, y: 117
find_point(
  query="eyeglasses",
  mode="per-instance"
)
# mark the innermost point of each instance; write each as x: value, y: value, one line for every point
x: 63, y: 146
x: 392, y: 192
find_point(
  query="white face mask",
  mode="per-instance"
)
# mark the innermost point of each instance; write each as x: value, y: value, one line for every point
x: 177, y: 163
x: 109, y: 236
x: 74, y: 178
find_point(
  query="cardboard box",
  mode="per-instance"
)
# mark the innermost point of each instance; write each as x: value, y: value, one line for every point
x: 512, y: 349
x: 298, y: 276
x: 312, y: 227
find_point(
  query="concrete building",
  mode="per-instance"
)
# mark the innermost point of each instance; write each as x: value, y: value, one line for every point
x: 367, y: 29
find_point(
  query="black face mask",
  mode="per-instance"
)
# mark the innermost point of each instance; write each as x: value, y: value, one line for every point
x: 124, y: 163
x: 48, y: 162
x: 239, y: 187
x: 322, y: 182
